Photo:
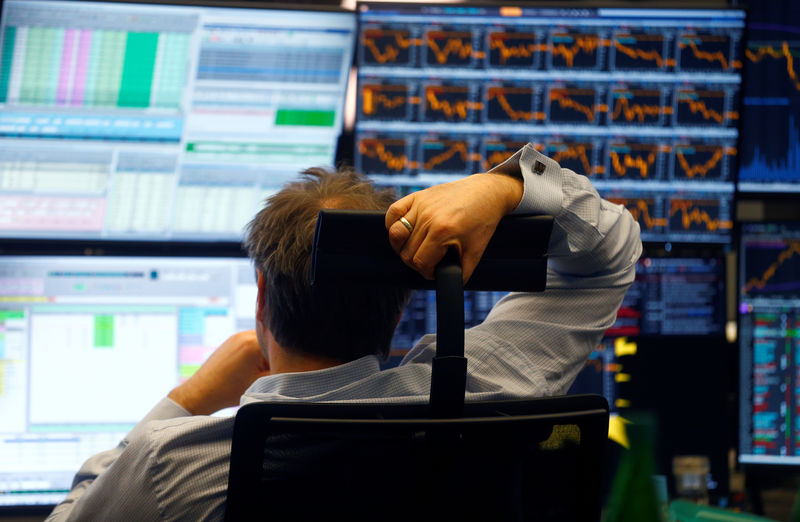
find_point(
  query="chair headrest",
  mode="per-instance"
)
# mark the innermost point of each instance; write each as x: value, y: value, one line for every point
x: 352, y: 247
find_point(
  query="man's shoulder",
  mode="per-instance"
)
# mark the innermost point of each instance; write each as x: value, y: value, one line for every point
x: 195, y: 429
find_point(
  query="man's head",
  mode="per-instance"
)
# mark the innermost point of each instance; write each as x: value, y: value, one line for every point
x: 337, y: 323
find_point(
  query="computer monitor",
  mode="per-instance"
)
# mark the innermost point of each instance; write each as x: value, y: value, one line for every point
x: 675, y: 293
x: 162, y: 121
x: 769, y: 343
x: 771, y: 107
x: 644, y: 101
x: 89, y: 344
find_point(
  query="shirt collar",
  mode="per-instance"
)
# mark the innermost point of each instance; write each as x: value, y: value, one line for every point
x: 307, y: 385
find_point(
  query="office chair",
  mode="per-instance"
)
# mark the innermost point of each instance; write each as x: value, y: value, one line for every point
x: 532, y: 459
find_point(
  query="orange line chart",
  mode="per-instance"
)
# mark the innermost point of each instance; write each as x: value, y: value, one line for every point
x: 499, y: 94
x: 698, y: 106
x: 639, y: 54
x: 700, y: 169
x: 458, y: 106
x: 694, y: 212
x: 458, y: 44
x: 784, y: 53
x: 690, y: 42
x: 524, y: 46
x: 642, y: 163
x: 566, y: 100
x: 761, y: 281
x: 374, y: 99
x: 638, y: 111
x: 640, y: 209
x: 578, y: 152
x: 394, y: 42
x: 453, y: 148
x: 582, y: 43
x: 380, y: 150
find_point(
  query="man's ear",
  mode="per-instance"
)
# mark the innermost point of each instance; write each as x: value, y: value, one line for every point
x: 261, y: 296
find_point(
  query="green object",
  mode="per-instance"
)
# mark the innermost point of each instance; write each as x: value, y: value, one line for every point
x: 137, y: 71
x: 11, y: 314
x: 305, y: 118
x: 187, y: 370
x: 633, y: 495
x: 9, y: 41
x: 104, y: 331
x: 685, y: 511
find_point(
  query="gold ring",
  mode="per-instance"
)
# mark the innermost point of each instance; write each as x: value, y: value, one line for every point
x: 406, y: 224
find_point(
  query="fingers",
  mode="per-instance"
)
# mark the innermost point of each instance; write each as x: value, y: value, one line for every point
x: 398, y: 232
x: 399, y: 209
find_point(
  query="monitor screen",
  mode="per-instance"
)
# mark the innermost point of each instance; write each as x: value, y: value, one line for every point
x: 771, y: 104
x: 71, y: 327
x: 644, y: 101
x: 675, y: 295
x: 161, y: 122
x: 769, y: 343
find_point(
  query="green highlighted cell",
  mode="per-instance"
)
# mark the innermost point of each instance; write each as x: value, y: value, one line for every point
x: 104, y: 331
x: 137, y: 70
x: 305, y: 118
x: 187, y: 370
x: 11, y: 314
x: 9, y: 39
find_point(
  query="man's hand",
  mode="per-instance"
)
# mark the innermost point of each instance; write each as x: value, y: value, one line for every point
x: 462, y: 214
x: 221, y: 380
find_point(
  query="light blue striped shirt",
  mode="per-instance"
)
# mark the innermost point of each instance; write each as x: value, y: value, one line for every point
x: 173, y: 466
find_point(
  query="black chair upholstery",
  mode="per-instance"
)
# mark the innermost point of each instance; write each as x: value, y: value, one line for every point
x: 538, y: 459
x: 533, y: 459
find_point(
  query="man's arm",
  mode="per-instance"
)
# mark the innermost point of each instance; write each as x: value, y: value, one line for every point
x: 530, y: 344
x: 116, y: 482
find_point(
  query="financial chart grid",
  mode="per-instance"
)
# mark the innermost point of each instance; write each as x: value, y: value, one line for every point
x: 644, y: 101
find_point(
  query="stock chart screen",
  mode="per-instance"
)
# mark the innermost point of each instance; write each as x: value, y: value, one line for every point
x: 129, y: 121
x: 674, y: 295
x: 643, y: 101
x: 771, y: 104
x: 769, y: 340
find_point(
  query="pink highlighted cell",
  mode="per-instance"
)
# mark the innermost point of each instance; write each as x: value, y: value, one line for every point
x: 66, y: 67
x: 194, y: 354
x: 81, y: 67
x: 52, y: 213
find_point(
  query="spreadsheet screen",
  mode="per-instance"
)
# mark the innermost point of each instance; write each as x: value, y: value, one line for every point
x: 88, y: 345
x: 156, y: 122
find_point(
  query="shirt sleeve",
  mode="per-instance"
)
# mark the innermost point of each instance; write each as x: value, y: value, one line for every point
x: 535, y: 344
x: 96, y: 466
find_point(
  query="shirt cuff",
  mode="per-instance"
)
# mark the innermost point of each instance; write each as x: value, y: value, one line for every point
x: 541, y: 176
x: 165, y: 409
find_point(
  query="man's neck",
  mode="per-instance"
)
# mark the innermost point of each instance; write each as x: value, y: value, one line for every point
x: 290, y: 361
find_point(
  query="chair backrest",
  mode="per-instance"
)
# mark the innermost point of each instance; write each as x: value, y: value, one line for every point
x: 538, y: 459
